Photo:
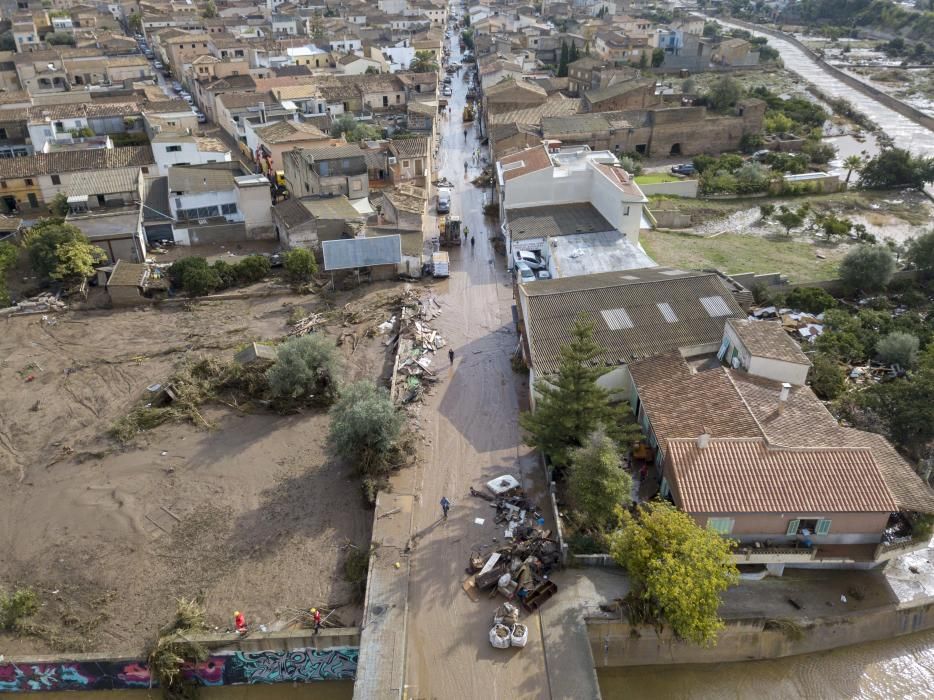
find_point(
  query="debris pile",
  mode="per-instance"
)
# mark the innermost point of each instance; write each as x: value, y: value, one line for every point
x: 799, y: 323
x: 417, y: 343
x: 42, y: 304
x: 520, y: 568
x: 306, y: 325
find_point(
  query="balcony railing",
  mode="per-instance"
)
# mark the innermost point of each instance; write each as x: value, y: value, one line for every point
x: 773, y: 555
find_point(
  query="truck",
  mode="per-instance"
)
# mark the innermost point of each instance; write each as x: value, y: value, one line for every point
x: 450, y: 229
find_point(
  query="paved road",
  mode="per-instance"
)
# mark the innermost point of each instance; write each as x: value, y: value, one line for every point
x: 471, y: 422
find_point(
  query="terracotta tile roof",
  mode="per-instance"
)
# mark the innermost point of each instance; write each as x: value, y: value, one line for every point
x: 768, y: 339
x: 245, y: 100
x: 288, y: 131
x: 528, y: 161
x: 749, y: 476
x: 629, y: 300
x: 410, y: 148
x: 555, y: 106
x: 83, y: 109
x: 74, y: 161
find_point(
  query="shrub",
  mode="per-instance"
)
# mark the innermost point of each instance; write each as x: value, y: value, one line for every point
x: 827, y: 377
x: 226, y: 272
x: 178, y: 268
x: 898, y: 348
x: 766, y: 210
x: 14, y: 606
x: 921, y: 253
x: 300, y: 265
x: 867, y: 268
x: 252, y: 268
x: 811, y: 299
x: 630, y: 165
x: 818, y: 151
x: 198, y: 281
x: 307, y: 370
x: 365, y: 427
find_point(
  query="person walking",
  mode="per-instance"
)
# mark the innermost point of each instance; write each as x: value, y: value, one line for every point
x: 465, y: 167
x: 240, y: 623
x: 445, y: 507
x: 466, y: 232
x: 471, y: 241
x: 465, y: 135
x: 316, y: 616
x: 451, y: 355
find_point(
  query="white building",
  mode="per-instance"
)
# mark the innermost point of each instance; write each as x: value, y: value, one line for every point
x: 170, y: 149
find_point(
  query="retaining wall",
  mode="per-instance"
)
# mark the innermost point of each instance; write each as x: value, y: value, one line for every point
x: 681, y: 188
x: 617, y: 643
x: 284, y: 657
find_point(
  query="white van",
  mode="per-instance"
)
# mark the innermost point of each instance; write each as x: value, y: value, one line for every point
x: 444, y: 200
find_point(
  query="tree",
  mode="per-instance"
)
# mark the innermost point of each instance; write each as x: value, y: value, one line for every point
x: 789, y: 219
x: 59, y: 205
x: 571, y: 404
x: 7, y: 42
x: 677, y: 569
x: 658, y: 58
x: 423, y: 62
x: 135, y: 22
x: 60, y: 39
x: 867, y: 268
x: 252, y: 268
x: 905, y: 406
x: 563, y: 61
x: 371, y: 70
x: 852, y: 164
x: 898, y: 348
x: 300, y: 265
x: 353, y: 130
x: 688, y: 87
x: 573, y: 53
x: 827, y: 377
x: 76, y: 260
x: 643, y: 60
x: 724, y: 94
x: 597, y: 483
x: 200, y: 281
x: 307, y: 370
x: 630, y: 165
x: 895, y: 167
x: 819, y: 152
x: 814, y: 300
x: 210, y: 10
x: 9, y: 254
x: 778, y: 123
x: 43, y: 241
x: 921, y: 253
x: 365, y: 426
x: 835, y: 226
x: 178, y: 268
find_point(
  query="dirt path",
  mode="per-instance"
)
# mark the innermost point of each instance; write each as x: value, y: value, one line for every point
x: 471, y: 423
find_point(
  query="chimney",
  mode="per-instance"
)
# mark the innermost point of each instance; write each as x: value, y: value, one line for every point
x: 783, y: 396
x: 703, y: 439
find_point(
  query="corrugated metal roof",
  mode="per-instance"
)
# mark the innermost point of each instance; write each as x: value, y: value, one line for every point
x: 197, y: 179
x: 555, y: 305
x: 104, y: 182
x: 748, y: 476
x: 556, y: 220
x: 350, y: 253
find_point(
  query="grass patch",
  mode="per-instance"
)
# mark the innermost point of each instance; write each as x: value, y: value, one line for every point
x: 734, y: 253
x: 655, y: 178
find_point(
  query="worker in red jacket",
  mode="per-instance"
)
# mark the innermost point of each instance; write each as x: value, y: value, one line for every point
x: 240, y: 622
x: 317, y: 619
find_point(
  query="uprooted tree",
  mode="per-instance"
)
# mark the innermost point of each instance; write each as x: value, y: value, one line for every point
x: 173, y: 650
x: 678, y: 570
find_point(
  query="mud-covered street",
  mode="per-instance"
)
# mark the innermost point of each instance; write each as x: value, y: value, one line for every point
x: 470, y: 422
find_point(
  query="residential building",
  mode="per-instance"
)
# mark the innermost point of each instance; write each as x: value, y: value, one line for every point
x: 409, y: 162
x: 273, y: 140
x: 331, y: 169
x: 172, y: 148
x: 308, y: 221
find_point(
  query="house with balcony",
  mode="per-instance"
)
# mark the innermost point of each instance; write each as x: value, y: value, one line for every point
x: 330, y: 169
x: 576, y: 208
x: 748, y: 450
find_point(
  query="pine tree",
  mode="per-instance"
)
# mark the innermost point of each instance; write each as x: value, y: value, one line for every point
x: 573, y: 53
x: 563, y: 64
x: 571, y: 404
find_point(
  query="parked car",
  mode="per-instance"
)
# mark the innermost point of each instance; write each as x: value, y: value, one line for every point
x: 759, y: 155
x: 544, y: 275
x: 188, y: 98
x: 529, y: 258
x: 447, y: 91
x: 444, y: 201
x: 177, y: 86
x: 524, y: 273
x: 157, y: 65
x: 200, y: 117
x: 683, y: 169
x: 447, y: 80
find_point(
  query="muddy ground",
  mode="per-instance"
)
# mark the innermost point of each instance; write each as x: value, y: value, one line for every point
x: 254, y: 514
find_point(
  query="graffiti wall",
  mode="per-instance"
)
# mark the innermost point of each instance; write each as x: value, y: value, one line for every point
x: 234, y: 668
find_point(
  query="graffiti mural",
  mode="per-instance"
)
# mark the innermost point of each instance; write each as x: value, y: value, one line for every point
x: 234, y: 668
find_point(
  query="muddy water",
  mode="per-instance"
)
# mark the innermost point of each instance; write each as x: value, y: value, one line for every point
x: 895, y: 668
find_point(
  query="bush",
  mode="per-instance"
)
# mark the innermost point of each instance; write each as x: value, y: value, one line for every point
x: 811, y: 299
x: 752, y: 177
x: 365, y: 427
x: 200, y: 281
x: 630, y: 165
x: 252, y: 269
x: 307, y: 370
x: 226, y: 272
x: 300, y: 265
x: 17, y: 605
x: 867, y: 268
x: 827, y: 377
x: 818, y: 151
x: 178, y: 268
x: 921, y: 253
x: 898, y: 348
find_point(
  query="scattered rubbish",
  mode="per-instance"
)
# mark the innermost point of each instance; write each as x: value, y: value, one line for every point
x: 388, y: 513
x: 306, y: 325
x: 502, y: 485
x: 479, y: 521
x: 41, y: 304
x: 417, y: 343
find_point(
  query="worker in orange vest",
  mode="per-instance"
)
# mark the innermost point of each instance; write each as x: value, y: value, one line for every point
x: 240, y: 622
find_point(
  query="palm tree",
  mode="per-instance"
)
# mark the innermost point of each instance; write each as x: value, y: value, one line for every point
x: 424, y: 62
x: 852, y: 163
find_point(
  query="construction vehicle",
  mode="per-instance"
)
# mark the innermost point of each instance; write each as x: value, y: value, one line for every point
x: 450, y: 229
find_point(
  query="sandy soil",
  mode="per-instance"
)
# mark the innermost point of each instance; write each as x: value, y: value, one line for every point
x: 254, y: 514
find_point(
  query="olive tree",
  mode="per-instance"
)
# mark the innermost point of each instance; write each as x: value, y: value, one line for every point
x: 307, y: 370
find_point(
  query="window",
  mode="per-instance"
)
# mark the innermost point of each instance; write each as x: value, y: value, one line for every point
x: 626, y: 211
x: 307, y: 188
x: 28, y: 182
x: 173, y: 149
x: 406, y: 163
x: 617, y: 319
x: 144, y: 169
x: 823, y: 527
x: 723, y: 526
x: 228, y: 209
x: 667, y: 312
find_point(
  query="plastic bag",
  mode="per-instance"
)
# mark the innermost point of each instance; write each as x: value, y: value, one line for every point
x: 500, y: 636
x: 519, y: 635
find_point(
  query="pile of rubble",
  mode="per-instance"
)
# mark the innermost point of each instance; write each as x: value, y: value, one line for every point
x: 520, y: 568
x: 799, y: 323
x: 306, y: 325
x: 42, y: 304
x: 417, y: 343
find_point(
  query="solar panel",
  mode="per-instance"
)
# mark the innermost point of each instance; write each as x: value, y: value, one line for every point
x: 617, y: 319
x: 716, y: 306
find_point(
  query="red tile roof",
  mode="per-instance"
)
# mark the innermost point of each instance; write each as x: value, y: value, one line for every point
x: 528, y: 161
